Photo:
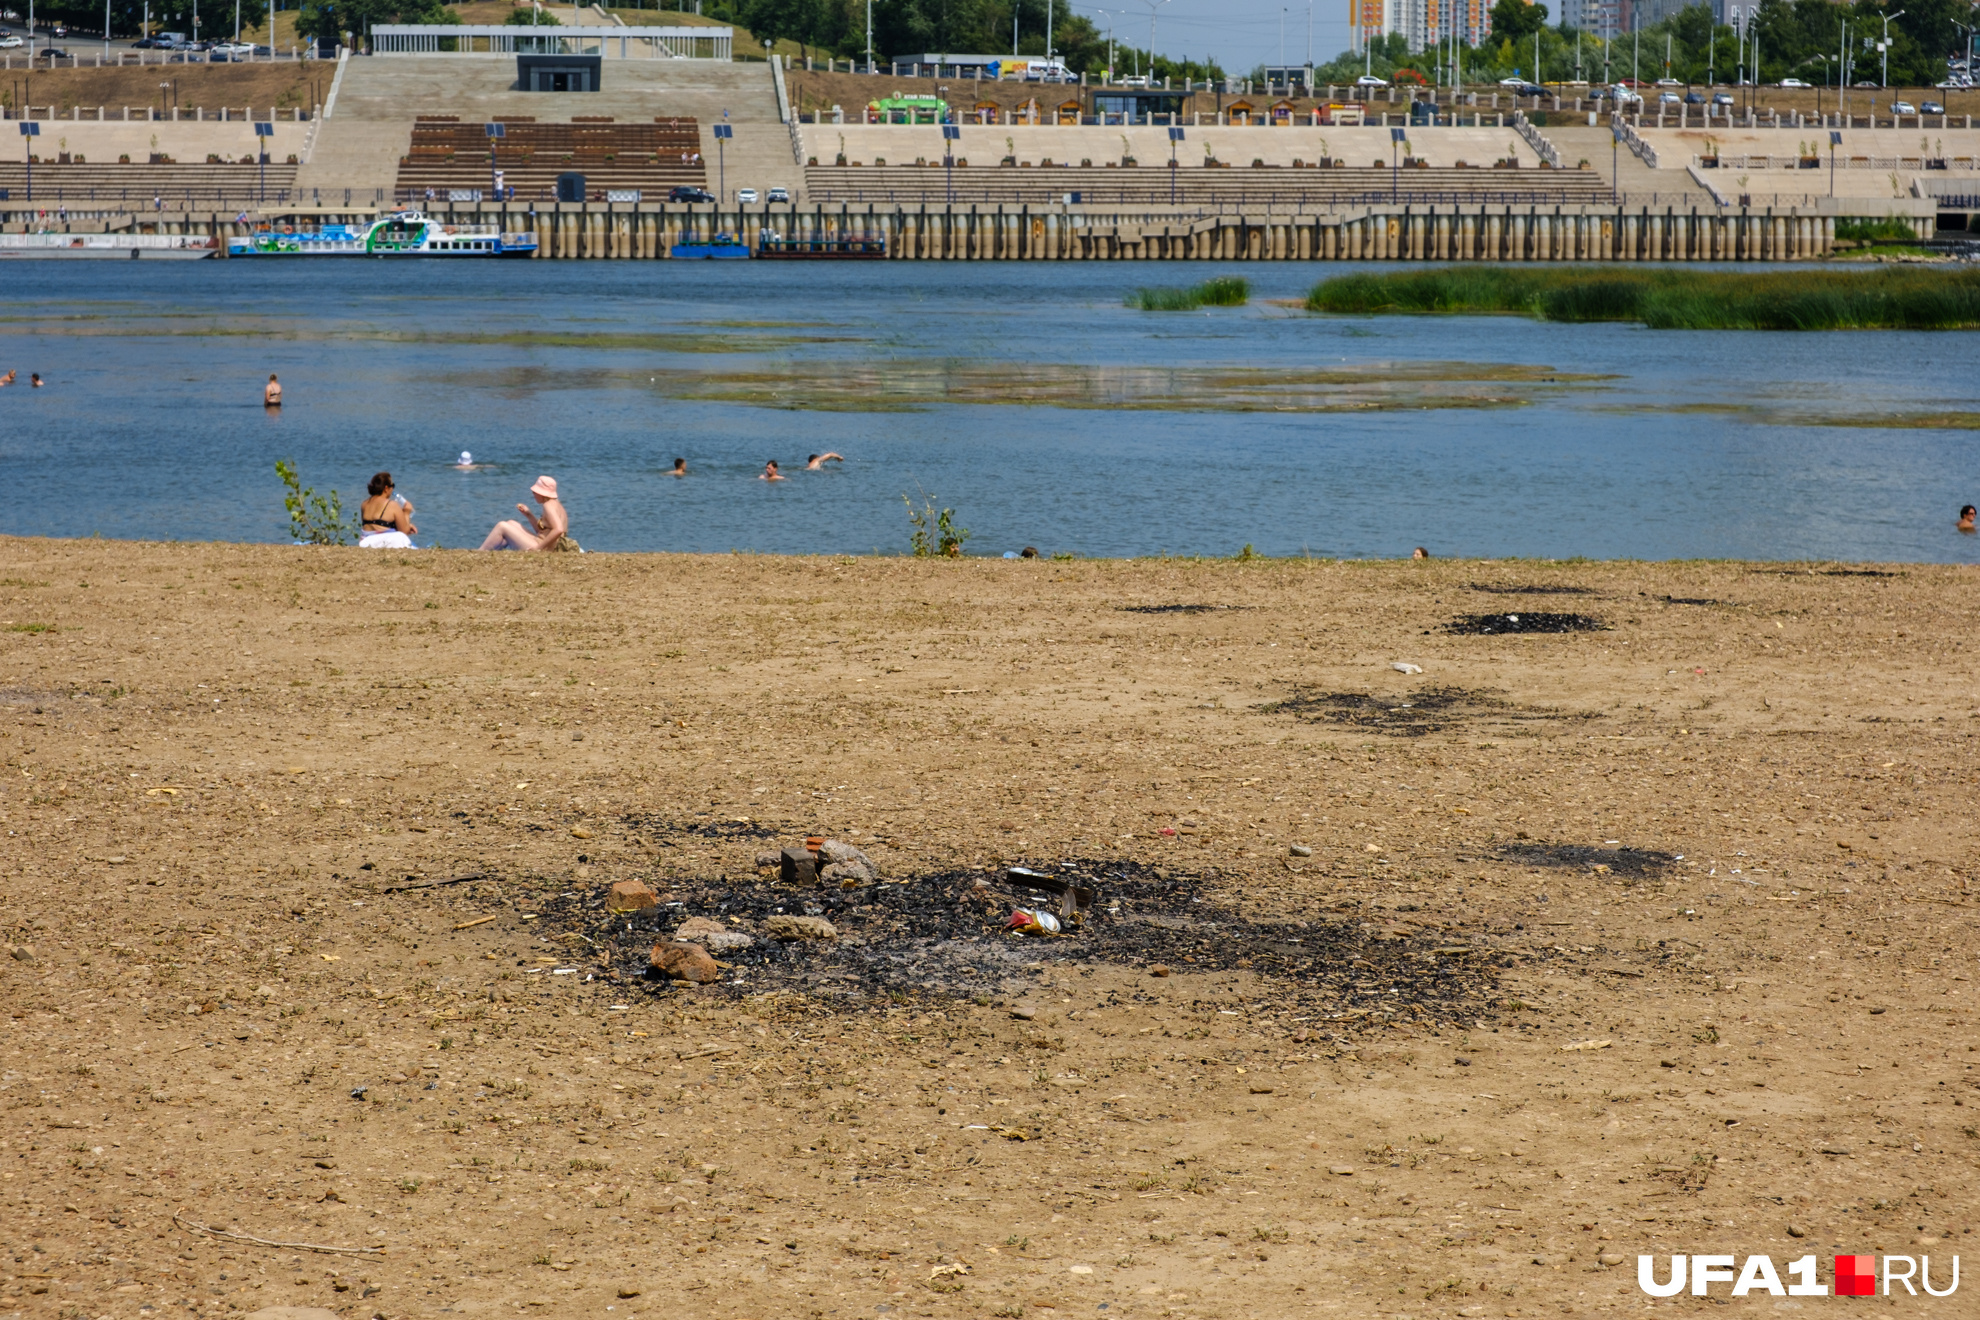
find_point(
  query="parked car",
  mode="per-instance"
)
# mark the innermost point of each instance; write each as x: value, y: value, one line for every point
x: 1669, y: 82
x: 11, y: 42
x: 1694, y: 98
x: 1930, y: 108
x: 51, y: 54
x: 746, y: 196
x: 687, y: 194
x: 1512, y: 82
x: 779, y: 193
x: 151, y: 43
x: 1792, y: 82
x: 1135, y: 80
x: 1370, y: 80
x: 1668, y: 98
x: 232, y: 50
x: 1865, y: 83
x: 1525, y: 88
x: 59, y: 30
x: 1722, y: 98
x: 1627, y: 96
x: 1903, y: 108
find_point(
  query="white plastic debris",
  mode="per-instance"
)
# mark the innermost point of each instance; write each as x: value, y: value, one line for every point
x: 1402, y: 668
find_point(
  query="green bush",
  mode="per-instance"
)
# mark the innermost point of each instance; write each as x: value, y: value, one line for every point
x: 313, y: 519
x: 1888, y: 229
x: 1888, y: 298
x: 1225, y: 291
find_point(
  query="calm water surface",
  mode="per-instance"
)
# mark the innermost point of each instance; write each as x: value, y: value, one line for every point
x: 1028, y: 397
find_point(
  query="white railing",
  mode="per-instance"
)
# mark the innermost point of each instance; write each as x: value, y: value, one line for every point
x: 1642, y: 150
x: 624, y: 42
x: 1541, y: 146
x: 1842, y: 162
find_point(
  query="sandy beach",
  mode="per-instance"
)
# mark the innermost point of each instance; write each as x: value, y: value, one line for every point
x: 1437, y: 993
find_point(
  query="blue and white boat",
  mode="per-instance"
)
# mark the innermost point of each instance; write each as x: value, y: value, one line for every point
x: 721, y: 247
x: 401, y: 234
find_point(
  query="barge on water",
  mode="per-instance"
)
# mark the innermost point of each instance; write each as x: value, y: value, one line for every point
x: 107, y: 247
x: 401, y: 234
x: 834, y: 247
x: 722, y: 247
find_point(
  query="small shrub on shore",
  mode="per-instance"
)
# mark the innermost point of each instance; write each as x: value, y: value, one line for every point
x: 1889, y: 229
x: 313, y: 519
x: 1891, y: 298
x: 1225, y: 291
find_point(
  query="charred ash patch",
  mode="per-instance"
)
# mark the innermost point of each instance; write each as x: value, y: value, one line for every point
x: 1412, y: 714
x: 1420, y: 711
x: 1472, y: 625
x: 703, y: 826
x: 1179, y: 609
x: 1506, y: 589
x: 1629, y: 863
x: 941, y: 935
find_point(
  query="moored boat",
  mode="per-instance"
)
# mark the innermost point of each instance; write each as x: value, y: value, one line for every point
x: 107, y: 247
x: 693, y: 247
x: 840, y: 247
x: 401, y: 234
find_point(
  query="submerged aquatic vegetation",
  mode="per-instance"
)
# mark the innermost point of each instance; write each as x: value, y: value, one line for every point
x: 1225, y: 291
x: 1893, y: 298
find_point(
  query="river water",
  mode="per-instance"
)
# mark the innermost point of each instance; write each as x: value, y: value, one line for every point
x: 1027, y: 397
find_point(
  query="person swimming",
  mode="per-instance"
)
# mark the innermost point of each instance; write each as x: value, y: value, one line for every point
x: 679, y: 469
x: 466, y: 463
x: 770, y: 472
x: 817, y: 461
x: 1965, y: 523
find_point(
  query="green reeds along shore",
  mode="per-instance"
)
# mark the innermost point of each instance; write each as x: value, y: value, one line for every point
x: 1889, y: 298
x: 1228, y: 291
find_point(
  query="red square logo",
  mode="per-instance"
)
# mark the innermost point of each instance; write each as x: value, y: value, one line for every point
x: 1856, y: 1276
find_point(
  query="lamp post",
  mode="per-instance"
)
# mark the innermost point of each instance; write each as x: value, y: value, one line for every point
x: 1615, y: 156
x: 950, y: 135
x: 1175, y: 136
x: 29, y: 131
x: 869, y: 35
x: 1153, y: 5
x: 1395, y: 165
x: 1884, y: 49
x: 1835, y: 140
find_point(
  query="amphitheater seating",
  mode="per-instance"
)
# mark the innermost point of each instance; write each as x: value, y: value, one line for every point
x: 651, y: 158
x: 1281, y: 187
x: 176, y: 186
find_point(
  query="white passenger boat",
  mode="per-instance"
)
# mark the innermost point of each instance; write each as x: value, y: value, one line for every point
x: 401, y: 234
x: 150, y: 247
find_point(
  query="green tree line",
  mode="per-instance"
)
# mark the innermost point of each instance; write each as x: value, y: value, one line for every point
x: 1797, y: 39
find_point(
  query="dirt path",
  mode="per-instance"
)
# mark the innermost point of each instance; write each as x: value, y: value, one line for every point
x: 1657, y: 938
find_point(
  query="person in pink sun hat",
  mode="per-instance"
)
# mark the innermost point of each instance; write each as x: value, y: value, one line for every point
x: 550, y: 532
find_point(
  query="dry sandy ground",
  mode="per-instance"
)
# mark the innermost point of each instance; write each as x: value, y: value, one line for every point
x: 1362, y: 1099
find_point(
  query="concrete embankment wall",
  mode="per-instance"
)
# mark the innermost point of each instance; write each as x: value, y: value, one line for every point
x: 1015, y: 233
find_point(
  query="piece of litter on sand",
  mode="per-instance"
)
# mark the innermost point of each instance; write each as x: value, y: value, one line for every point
x: 1402, y: 668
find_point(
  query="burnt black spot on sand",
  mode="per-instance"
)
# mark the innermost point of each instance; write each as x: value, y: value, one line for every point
x: 1523, y: 622
x: 706, y: 827
x: 1411, y: 715
x: 1499, y: 589
x: 941, y: 935
x: 1178, y: 609
x: 1631, y: 863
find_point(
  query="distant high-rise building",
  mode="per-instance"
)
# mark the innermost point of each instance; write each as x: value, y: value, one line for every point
x: 1424, y: 24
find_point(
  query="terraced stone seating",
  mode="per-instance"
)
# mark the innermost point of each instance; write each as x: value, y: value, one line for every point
x: 231, y: 184
x: 446, y: 155
x: 1197, y: 185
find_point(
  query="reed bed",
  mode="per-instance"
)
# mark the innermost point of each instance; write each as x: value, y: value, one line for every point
x: 1890, y: 298
x: 1226, y: 291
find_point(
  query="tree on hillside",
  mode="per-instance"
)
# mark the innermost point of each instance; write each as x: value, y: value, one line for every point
x: 333, y: 18
x: 1516, y: 20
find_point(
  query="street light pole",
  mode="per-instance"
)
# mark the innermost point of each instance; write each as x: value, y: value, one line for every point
x: 1885, y: 49
x: 869, y: 36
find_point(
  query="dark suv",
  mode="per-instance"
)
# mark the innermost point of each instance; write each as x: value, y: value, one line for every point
x: 685, y: 194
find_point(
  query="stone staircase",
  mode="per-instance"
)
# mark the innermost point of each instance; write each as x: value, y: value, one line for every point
x: 360, y: 145
x: 1640, y: 185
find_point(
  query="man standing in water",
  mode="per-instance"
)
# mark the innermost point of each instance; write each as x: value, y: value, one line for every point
x: 271, y: 396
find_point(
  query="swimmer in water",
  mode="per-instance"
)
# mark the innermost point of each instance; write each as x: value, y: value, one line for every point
x: 271, y: 394
x: 466, y: 463
x: 7, y: 379
x: 679, y: 469
x: 817, y: 461
x: 1965, y: 523
x: 770, y: 472
x: 1419, y: 553
x: 34, y: 380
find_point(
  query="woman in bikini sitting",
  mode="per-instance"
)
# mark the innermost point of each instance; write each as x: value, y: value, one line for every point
x: 385, y: 521
x: 546, y: 533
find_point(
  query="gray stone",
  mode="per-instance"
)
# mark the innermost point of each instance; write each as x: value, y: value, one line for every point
x: 784, y: 927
